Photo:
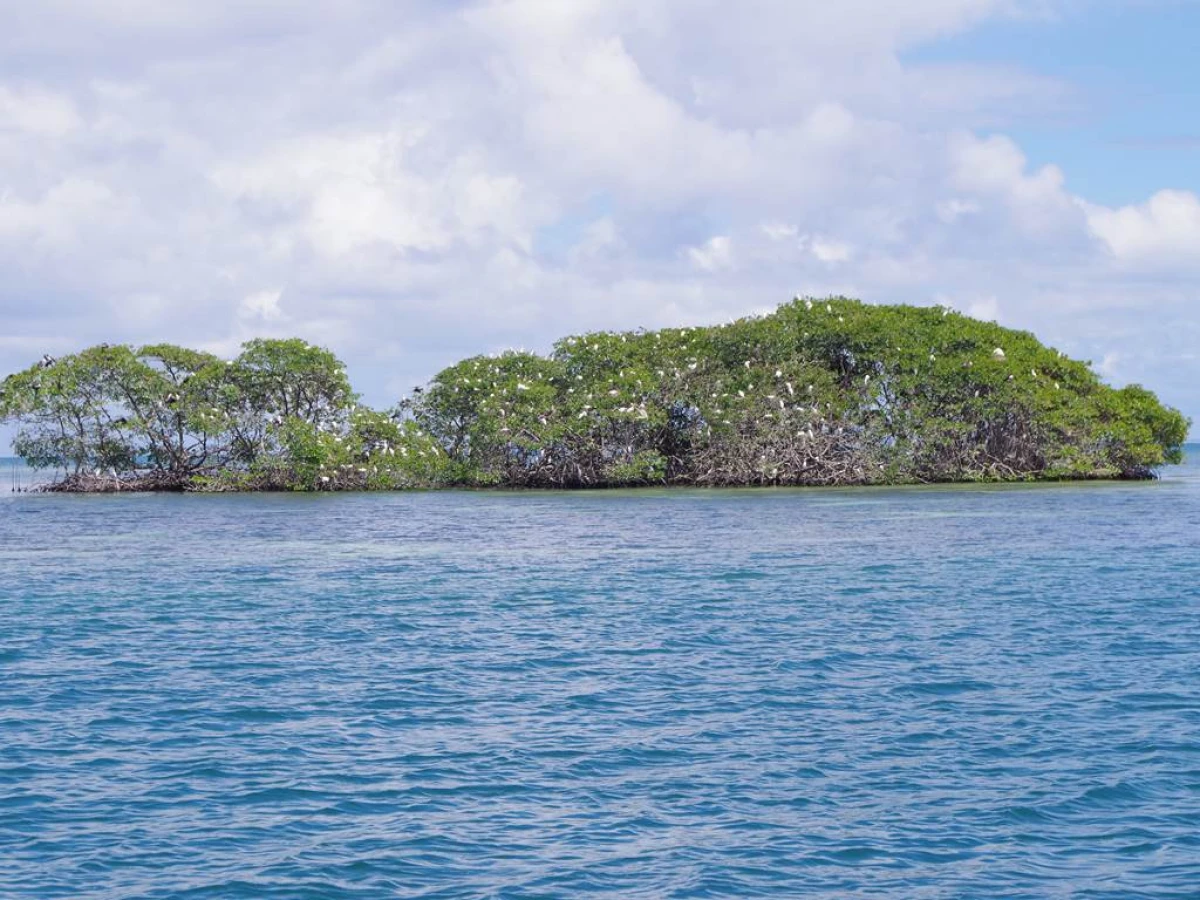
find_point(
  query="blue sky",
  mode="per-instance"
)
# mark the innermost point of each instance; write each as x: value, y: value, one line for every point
x: 1130, y: 118
x: 412, y: 182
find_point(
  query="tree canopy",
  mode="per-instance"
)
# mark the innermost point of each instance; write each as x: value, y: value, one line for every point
x: 820, y: 392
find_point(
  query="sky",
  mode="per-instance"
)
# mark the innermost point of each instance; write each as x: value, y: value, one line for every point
x: 410, y: 182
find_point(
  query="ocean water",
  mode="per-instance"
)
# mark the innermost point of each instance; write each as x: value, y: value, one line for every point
x: 912, y: 693
x: 15, y: 476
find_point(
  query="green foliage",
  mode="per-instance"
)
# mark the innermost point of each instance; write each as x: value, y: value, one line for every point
x: 174, y: 417
x: 827, y: 391
x: 69, y: 409
x: 820, y: 392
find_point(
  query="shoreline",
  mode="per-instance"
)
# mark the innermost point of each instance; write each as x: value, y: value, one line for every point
x: 107, y: 486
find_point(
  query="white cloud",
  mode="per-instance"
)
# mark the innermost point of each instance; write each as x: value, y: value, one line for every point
x: 994, y: 168
x: 952, y: 210
x: 262, y: 305
x: 430, y: 180
x: 67, y: 213
x: 830, y: 251
x: 36, y: 111
x: 716, y: 254
x: 1165, y: 230
x: 780, y: 231
x: 1110, y: 365
x: 601, y: 239
x: 985, y: 307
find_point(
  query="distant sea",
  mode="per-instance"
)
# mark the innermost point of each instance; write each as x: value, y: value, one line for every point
x: 907, y: 693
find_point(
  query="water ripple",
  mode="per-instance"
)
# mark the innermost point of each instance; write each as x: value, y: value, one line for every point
x: 902, y: 693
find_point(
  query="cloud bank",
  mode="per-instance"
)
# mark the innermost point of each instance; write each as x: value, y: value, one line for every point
x: 412, y: 182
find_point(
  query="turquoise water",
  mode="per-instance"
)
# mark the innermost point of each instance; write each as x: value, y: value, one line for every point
x: 865, y: 693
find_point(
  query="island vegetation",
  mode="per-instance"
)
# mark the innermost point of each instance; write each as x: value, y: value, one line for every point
x: 820, y: 392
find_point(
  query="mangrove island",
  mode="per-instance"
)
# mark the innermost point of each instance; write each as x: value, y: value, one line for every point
x: 820, y: 392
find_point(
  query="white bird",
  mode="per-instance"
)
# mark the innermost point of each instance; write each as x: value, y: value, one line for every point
x: 998, y: 353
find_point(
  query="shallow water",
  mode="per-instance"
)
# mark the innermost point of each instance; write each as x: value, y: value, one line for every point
x: 912, y: 693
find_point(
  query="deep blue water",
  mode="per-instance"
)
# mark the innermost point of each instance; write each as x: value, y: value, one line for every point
x: 865, y: 693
